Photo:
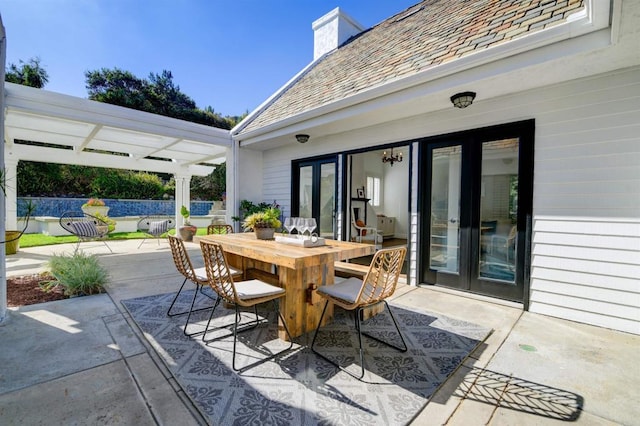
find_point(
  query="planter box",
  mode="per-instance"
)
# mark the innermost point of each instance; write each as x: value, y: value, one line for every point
x: 92, y: 210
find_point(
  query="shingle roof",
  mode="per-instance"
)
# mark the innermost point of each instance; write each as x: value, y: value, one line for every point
x: 428, y: 34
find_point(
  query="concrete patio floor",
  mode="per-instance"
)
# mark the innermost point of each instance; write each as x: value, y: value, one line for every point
x: 83, y: 361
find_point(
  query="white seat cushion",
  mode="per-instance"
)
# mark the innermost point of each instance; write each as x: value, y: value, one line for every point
x: 253, y: 289
x: 346, y: 290
x: 201, y: 273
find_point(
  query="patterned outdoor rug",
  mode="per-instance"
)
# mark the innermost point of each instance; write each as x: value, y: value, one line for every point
x: 299, y: 387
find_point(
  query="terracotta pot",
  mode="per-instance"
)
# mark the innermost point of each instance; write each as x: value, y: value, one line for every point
x: 187, y: 232
x: 264, y: 233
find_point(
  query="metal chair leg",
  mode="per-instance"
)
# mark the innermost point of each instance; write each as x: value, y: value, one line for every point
x: 175, y: 298
x: 169, y: 314
x: 249, y: 326
x: 105, y: 243
x: 395, y: 323
x: 358, y: 326
x: 186, y: 324
x: 235, y: 339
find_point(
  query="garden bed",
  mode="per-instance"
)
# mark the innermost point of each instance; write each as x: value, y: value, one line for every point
x: 25, y: 290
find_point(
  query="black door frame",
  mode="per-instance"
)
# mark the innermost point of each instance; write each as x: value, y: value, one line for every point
x: 347, y: 178
x: 469, y: 209
x: 315, y: 163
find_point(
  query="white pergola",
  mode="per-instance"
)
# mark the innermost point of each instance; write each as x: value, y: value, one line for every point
x: 83, y: 132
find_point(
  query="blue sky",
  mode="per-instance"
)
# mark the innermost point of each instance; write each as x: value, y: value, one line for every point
x: 231, y: 55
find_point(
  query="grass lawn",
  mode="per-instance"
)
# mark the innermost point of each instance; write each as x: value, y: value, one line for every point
x: 34, y: 240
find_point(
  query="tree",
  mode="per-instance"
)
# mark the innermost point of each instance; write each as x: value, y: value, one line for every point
x: 210, y: 187
x: 29, y: 73
x: 117, y: 87
x: 158, y: 94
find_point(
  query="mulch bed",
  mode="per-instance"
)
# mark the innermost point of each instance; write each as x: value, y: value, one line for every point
x: 25, y: 290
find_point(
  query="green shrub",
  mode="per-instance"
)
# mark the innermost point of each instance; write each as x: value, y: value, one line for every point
x: 127, y: 184
x: 78, y: 274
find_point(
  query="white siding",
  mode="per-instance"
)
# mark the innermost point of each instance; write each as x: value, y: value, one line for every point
x: 586, y: 208
x: 587, y: 269
x: 585, y: 262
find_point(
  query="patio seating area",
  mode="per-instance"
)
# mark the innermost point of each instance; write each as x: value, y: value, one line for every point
x: 532, y: 369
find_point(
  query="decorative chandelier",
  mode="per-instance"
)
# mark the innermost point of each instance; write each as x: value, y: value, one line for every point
x: 391, y: 158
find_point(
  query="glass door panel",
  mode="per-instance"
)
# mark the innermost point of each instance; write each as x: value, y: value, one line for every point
x: 306, y: 191
x: 499, y: 211
x: 445, y: 209
x: 327, y: 200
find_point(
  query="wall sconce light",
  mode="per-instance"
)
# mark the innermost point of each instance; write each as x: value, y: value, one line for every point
x: 302, y: 138
x: 391, y: 158
x: 463, y: 99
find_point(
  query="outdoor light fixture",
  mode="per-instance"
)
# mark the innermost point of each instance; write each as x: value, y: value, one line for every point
x: 463, y: 99
x: 302, y: 138
x: 391, y: 158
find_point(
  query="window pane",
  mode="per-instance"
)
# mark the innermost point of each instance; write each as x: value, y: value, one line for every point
x: 445, y: 209
x: 498, y: 210
x: 327, y: 199
x: 306, y: 191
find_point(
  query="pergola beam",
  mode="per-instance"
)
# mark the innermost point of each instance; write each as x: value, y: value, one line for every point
x: 62, y: 156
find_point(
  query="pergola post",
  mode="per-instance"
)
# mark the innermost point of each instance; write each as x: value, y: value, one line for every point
x: 231, y: 179
x: 182, y: 195
x: 11, y: 193
x: 3, y: 253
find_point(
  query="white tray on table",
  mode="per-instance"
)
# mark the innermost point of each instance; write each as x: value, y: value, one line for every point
x: 301, y: 242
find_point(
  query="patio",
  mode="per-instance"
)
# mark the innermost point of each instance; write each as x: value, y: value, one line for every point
x: 85, y: 361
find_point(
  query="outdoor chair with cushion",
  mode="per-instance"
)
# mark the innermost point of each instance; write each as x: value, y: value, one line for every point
x: 219, y: 229
x: 356, y: 295
x: 197, y: 276
x: 364, y: 233
x: 85, y: 227
x: 242, y: 294
x: 155, y: 227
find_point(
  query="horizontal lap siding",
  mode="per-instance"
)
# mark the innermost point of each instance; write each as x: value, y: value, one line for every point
x: 277, y: 182
x: 587, y: 270
x: 585, y: 263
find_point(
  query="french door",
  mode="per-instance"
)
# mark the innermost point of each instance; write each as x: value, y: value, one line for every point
x: 313, y: 194
x: 479, y: 186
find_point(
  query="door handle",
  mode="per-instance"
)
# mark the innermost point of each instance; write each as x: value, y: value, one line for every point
x: 453, y: 220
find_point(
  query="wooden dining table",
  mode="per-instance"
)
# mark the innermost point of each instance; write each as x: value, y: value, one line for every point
x: 296, y: 269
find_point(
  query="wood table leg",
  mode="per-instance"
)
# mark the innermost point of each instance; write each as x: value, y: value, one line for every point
x: 301, y: 316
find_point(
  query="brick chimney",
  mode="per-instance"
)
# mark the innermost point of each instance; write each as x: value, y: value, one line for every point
x: 332, y: 30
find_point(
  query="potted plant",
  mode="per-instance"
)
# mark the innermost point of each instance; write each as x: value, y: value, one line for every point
x: 95, y: 206
x: 187, y: 231
x: 12, y: 238
x: 110, y: 223
x: 263, y: 223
